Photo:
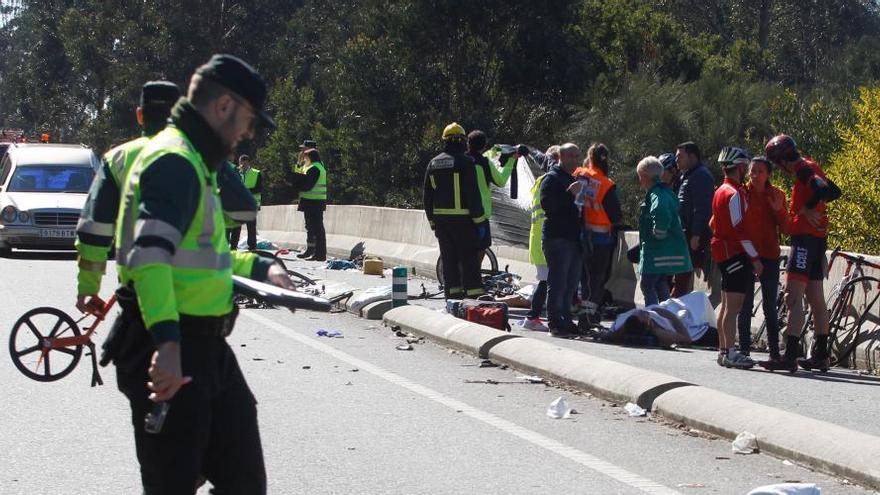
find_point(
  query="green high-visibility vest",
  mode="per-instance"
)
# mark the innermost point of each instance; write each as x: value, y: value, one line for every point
x: 250, y: 182
x: 122, y: 157
x: 499, y: 177
x: 201, y: 267
x: 319, y: 191
x: 536, y: 251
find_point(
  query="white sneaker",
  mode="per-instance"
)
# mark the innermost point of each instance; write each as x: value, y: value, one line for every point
x: 534, y: 324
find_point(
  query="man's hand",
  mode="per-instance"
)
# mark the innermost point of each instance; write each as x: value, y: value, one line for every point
x: 83, y: 301
x: 758, y: 267
x: 278, y: 277
x: 812, y: 216
x: 695, y: 242
x: 575, y: 188
x: 166, y: 376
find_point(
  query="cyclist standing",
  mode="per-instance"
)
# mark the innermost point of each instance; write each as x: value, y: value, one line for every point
x: 734, y: 252
x: 807, y: 264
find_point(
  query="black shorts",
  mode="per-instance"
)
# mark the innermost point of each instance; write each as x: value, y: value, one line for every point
x: 736, y: 274
x: 807, y: 261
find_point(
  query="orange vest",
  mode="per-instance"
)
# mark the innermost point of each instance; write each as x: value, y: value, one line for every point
x: 595, y: 217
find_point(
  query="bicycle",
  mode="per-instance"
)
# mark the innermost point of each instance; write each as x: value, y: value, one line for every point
x: 57, y: 334
x: 844, y: 327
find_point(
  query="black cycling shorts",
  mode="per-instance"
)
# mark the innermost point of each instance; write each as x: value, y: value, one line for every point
x: 736, y: 274
x: 807, y: 258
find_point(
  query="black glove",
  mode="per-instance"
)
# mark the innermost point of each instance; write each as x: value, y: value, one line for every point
x: 522, y: 149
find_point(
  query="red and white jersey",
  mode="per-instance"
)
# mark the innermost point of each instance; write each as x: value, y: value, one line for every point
x: 729, y: 234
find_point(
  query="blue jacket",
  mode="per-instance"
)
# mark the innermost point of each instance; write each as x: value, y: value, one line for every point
x: 561, y: 216
x: 695, y: 201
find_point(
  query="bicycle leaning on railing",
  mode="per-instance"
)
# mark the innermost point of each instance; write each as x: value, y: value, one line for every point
x: 850, y: 303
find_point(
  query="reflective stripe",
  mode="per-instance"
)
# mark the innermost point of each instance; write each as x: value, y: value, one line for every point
x: 598, y: 228
x: 480, y: 219
x: 451, y: 211
x: 92, y: 266
x: 456, y: 190
x: 475, y: 292
x: 140, y: 256
x: 205, y: 258
x: 154, y: 227
x: 89, y: 226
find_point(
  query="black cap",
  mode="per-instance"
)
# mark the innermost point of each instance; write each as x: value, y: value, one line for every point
x: 308, y: 143
x: 160, y: 94
x: 239, y: 77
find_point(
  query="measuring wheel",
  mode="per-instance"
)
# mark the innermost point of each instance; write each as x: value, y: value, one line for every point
x: 31, y: 344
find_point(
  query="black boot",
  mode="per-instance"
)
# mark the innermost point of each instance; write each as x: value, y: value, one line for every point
x: 819, y: 357
x: 788, y: 362
x: 309, y: 252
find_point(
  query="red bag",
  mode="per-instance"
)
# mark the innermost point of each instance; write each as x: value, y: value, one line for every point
x: 491, y: 314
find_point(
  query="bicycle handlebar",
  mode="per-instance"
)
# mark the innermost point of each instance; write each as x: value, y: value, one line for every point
x: 859, y: 260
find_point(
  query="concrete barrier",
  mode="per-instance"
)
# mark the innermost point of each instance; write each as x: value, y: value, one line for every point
x: 403, y: 237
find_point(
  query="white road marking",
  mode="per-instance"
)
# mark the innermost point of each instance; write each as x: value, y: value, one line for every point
x: 589, y: 461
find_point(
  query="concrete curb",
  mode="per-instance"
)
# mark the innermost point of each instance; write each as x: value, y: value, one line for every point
x: 818, y: 444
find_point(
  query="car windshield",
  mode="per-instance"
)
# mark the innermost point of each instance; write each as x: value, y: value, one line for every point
x: 51, y: 178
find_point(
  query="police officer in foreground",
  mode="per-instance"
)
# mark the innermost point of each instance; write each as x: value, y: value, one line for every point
x: 94, y: 233
x: 173, y: 254
x: 97, y: 224
x: 253, y: 181
x: 452, y: 202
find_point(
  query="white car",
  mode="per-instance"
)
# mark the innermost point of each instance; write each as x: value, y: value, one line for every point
x: 43, y: 188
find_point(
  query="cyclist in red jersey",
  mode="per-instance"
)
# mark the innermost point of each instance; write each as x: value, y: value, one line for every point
x: 734, y: 252
x: 807, y: 264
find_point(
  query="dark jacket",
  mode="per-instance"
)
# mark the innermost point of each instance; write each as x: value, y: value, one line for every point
x: 546, y: 162
x: 450, y: 188
x: 562, y: 218
x: 695, y: 201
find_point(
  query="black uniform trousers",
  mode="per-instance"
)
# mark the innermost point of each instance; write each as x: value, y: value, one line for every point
x: 459, y: 250
x: 210, y: 431
x: 235, y: 235
x: 316, y: 236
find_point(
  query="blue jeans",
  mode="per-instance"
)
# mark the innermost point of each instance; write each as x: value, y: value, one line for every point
x: 565, y: 266
x: 655, y: 287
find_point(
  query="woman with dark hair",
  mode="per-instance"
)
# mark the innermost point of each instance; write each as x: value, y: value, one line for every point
x: 312, y: 183
x: 766, y: 218
x: 601, y: 214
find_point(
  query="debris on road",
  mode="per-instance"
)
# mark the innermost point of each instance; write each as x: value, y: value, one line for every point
x: 559, y: 409
x: 745, y: 443
x: 487, y: 364
x: 531, y: 378
x: 788, y: 489
x: 307, y: 367
x: 634, y: 410
x: 691, y: 485
x: 333, y: 334
x: 404, y: 347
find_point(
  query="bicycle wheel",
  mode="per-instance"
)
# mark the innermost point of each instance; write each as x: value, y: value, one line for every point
x: 489, y: 266
x: 29, y: 337
x: 848, y: 315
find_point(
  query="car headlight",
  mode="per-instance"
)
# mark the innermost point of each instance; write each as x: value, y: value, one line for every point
x: 24, y: 217
x: 9, y: 214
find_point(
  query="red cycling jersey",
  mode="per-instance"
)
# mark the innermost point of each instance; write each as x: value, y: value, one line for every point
x: 808, y: 177
x: 763, y: 223
x: 729, y: 236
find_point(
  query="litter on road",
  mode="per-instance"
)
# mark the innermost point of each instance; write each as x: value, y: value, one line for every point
x: 745, y: 443
x: 788, y: 489
x: 404, y: 347
x: 333, y: 334
x: 531, y: 378
x: 634, y: 410
x: 559, y: 409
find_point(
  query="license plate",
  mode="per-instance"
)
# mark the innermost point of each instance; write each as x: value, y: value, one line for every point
x: 58, y: 233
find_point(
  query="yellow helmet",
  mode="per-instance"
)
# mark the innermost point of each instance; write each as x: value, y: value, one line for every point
x: 454, y: 131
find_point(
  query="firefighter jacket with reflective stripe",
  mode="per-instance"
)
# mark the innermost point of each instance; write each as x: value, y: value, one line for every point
x: 170, y: 234
x: 451, y: 190
x: 536, y: 251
